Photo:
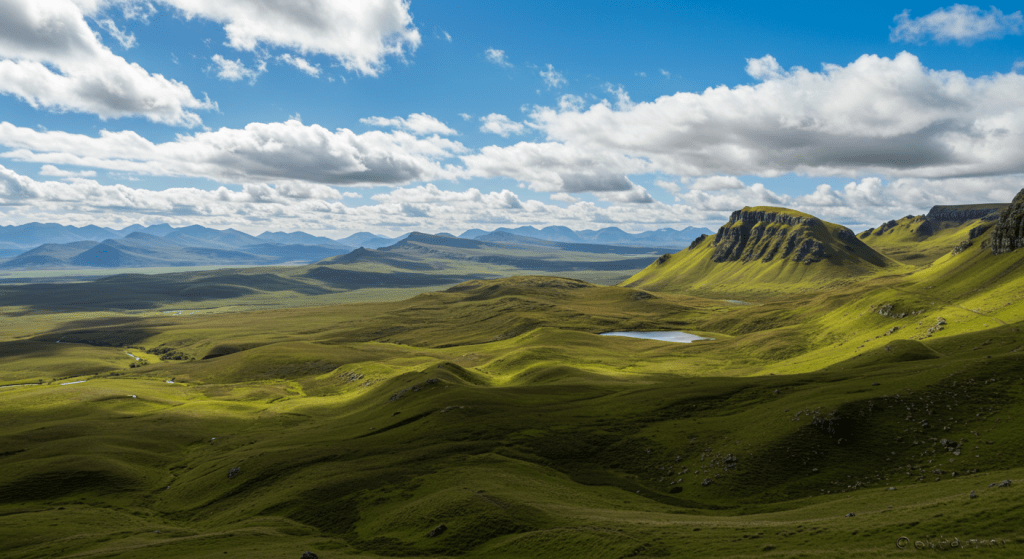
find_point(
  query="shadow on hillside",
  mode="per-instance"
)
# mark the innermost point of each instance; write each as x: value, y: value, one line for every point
x: 143, y: 292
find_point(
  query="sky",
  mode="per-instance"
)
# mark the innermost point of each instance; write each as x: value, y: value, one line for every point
x: 338, y: 116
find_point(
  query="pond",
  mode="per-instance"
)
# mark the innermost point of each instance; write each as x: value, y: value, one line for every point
x: 677, y: 337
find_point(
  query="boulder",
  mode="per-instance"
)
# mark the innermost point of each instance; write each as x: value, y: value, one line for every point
x: 440, y: 529
x: 309, y: 555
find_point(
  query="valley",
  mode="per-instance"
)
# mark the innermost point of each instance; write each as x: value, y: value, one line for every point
x: 451, y: 397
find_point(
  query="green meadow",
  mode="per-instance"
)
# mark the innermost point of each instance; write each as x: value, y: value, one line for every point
x: 865, y: 408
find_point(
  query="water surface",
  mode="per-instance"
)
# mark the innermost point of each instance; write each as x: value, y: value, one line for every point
x: 677, y: 337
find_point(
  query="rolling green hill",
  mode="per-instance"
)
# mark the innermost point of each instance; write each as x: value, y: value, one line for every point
x: 862, y: 407
x: 920, y: 240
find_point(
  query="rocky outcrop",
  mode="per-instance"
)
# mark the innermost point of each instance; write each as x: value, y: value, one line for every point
x: 1008, y: 232
x: 764, y: 235
x: 965, y: 213
x: 696, y: 242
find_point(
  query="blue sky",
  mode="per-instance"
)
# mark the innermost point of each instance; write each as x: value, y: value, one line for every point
x: 388, y: 116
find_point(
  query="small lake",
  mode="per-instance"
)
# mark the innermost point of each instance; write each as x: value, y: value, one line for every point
x: 677, y: 337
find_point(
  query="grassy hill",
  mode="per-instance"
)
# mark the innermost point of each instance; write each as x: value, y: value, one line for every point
x: 491, y: 418
x: 763, y: 251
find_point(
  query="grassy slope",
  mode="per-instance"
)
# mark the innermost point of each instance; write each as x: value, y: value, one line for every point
x: 539, y: 438
x: 693, y: 271
x: 904, y: 244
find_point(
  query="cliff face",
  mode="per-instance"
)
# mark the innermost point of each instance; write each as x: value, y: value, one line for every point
x: 765, y: 235
x: 965, y: 213
x: 1008, y: 232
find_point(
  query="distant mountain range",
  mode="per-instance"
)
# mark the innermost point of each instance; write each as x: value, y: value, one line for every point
x: 55, y: 246
x: 666, y: 237
x: 157, y: 246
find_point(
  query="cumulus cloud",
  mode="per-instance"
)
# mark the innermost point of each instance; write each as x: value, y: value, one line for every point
x: 301, y: 63
x: 496, y: 56
x: 718, y: 182
x: 52, y: 171
x: 635, y: 195
x: 260, y: 152
x: 734, y: 199
x: 235, y: 70
x: 552, y: 77
x: 764, y: 68
x: 500, y: 124
x: 961, y: 23
x: 359, y: 35
x: 882, y: 116
x: 50, y: 58
x: 554, y: 166
x: 420, y: 124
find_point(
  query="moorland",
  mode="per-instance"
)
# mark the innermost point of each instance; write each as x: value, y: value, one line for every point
x: 859, y: 395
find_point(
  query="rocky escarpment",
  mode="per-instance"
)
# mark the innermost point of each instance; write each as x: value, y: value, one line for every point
x: 1008, y: 232
x: 938, y: 218
x: 765, y: 235
x: 964, y: 213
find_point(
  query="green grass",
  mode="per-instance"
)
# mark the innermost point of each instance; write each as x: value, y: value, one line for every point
x: 496, y: 409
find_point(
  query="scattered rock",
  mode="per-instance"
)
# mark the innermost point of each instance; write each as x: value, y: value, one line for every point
x: 964, y: 245
x: 707, y: 481
x: 234, y: 472
x: 849, y: 514
x: 891, y: 488
x: 440, y: 529
x: 973, y: 495
x: 309, y: 555
x: 415, y: 388
x: 1005, y: 483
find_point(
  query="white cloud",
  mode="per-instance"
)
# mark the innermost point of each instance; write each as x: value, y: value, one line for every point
x: 235, y: 70
x: 447, y: 36
x: 717, y: 182
x: 570, y: 102
x: 669, y: 186
x: 466, y: 116
x: 500, y: 124
x: 564, y: 197
x: 961, y: 23
x: 552, y: 77
x: 554, y: 166
x: 666, y: 73
x: 51, y: 59
x: 300, y: 63
x: 496, y: 56
x: 731, y: 200
x: 260, y: 152
x: 764, y: 68
x: 420, y: 124
x: 622, y: 100
x: 359, y: 35
x: 635, y: 195
x: 51, y: 171
x: 127, y: 40
x: 875, y: 116
x: 140, y: 10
